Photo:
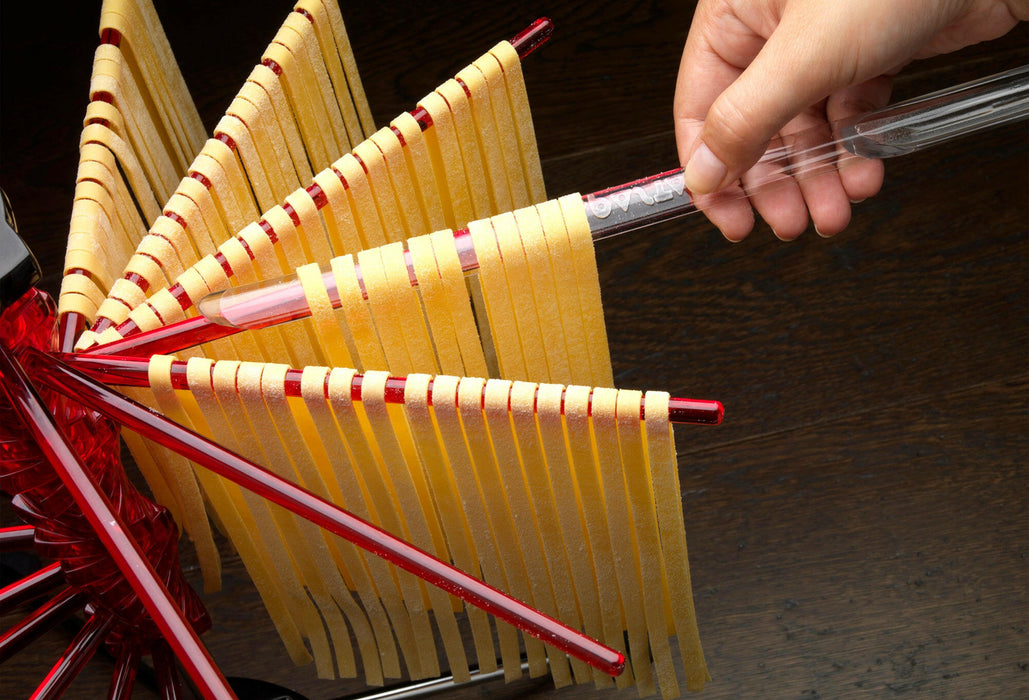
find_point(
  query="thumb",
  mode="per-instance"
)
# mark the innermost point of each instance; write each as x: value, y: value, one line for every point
x: 785, y: 77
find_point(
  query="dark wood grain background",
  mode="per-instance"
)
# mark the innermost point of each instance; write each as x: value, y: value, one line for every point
x: 858, y: 525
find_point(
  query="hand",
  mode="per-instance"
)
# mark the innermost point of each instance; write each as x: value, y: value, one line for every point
x: 756, y: 71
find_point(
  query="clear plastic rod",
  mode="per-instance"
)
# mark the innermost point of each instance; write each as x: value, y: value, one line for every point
x: 895, y: 130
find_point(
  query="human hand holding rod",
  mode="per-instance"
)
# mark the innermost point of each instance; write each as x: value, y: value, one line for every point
x: 757, y: 74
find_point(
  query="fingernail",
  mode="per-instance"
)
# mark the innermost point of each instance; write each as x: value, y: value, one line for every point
x: 857, y: 201
x: 704, y: 172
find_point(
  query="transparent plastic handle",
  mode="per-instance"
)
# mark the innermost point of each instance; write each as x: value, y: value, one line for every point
x: 939, y: 116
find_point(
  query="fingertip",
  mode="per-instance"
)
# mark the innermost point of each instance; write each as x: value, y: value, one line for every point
x: 828, y: 224
x: 789, y: 232
x: 704, y: 172
x: 862, y: 179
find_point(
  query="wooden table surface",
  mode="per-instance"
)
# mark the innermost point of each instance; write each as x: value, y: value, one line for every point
x: 858, y: 525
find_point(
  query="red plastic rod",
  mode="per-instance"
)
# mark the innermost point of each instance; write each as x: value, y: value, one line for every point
x: 108, y: 527
x: 30, y: 627
x: 132, y: 371
x: 29, y: 588
x: 75, y: 657
x: 125, y: 670
x: 328, y: 516
x: 17, y: 538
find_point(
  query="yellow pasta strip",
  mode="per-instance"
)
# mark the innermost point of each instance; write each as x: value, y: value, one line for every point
x: 96, y: 185
x: 404, y: 195
x: 620, y: 525
x: 362, y: 202
x: 650, y: 560
x: 252, y: 345
x: 265, y: 449
x: 193, y: 284
x: 250, y: 529
x: 384, y: 301
x: 523, y: 419
x: 459, y: 304
x: 237, y: 186
x: 338, y: 52
x: 296, y: 84
x: 321, y: 438
x: 369, y: 351
x: 339, y: 93
x: 214, y: 225
x: 445, y: 155
x: 500, y: 310
x: 567, y: 501
x: 566, y: 293
x: 513, y: 515
x: 141, y: 189
x: 516, y: 270
x: 540, y: 280
x: 145, y: 318
x: 339, y: 220
x: 183, y: 482
x: 423, y: 176
x: 81, y: 284
x: 585, y: 264
x: 664, y: 477
x: 408, y: 311
x: 454, y: 525
x: 489, y: 142
x: 298, y: 33
x: 265, y: 78
x: 432, y: 292
x: 300, y: 334
x: 452, y: 443
x: 250, y: 157
x: 283, y: 339
x: 495, y: 503
x: 330, y: 335
x: 252, y: 107
x: 172, y: 232
x: 326, y: 584
x: 166, y: 306
x: 382, y: 190
x: 366, y: 496
x: 112, y: 74
x: 511, y: 64
x: 311, y: 233
x: 464, y: 125
x: 412, y: 514
x: 472, y: 485
x: 591, y: 499
x: 507, y: 134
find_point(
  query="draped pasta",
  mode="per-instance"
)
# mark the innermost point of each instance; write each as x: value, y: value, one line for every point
x: 512, y: 456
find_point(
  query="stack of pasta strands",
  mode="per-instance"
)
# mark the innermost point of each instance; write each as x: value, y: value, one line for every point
x: 299, y: 108
x: 531, y: 480
x: 141, y: 130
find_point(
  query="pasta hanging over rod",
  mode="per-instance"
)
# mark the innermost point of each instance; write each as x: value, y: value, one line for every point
x: 512, y: 457
x: 470, y: 478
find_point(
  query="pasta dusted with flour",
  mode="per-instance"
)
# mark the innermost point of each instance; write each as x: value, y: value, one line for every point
x: 398, y: 183
x: 299, y: 109
x: 502, y: 460
x: 140, y: 131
